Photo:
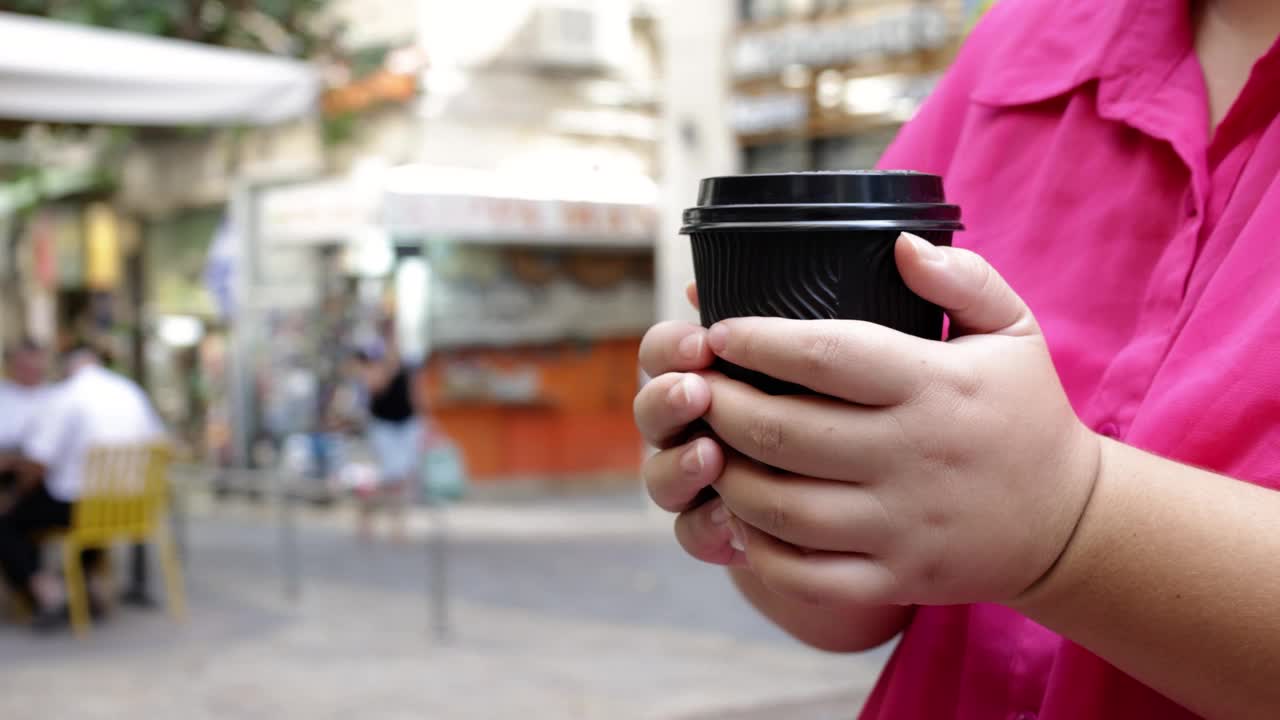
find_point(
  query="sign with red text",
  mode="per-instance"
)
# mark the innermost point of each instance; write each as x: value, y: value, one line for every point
x: 504, y: 220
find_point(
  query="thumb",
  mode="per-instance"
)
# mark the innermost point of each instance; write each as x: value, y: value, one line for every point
x: 973, y: 294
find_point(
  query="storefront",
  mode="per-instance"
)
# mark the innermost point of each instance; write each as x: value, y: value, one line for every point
x: 534, y: 316
x: 70, y: 262
x: 300, y: 306
x: 76, y: 264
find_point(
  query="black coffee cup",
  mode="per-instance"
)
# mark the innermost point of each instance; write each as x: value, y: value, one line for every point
x: 814, y: 246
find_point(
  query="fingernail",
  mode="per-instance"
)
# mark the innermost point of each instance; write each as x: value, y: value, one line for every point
x: 692, y: 461
x: 738, y: 538
x: 925, y: 249
x: 719, y: 513
x: 718, y: 337
x: 679, y: 394
x: 690, y: 347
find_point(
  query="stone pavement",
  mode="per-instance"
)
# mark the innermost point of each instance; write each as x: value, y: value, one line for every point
x: 561, y: 610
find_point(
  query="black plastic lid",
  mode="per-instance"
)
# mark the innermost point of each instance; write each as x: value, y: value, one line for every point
x: 855, y: 200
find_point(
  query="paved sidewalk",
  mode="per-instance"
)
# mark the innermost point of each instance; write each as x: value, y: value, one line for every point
x: 559, y: 613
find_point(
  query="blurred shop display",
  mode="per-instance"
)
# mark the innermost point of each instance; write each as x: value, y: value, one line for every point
x: 71, y: 262
x: 486, y: 295
x: 540, y: 290
x: 528, y: 308
x: 825, y: 85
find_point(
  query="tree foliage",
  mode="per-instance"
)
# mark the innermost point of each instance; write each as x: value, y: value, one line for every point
x: 285, y: 27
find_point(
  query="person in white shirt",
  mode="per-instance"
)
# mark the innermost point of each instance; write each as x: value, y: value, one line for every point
x: 22, y: 397
x: 93, y: 407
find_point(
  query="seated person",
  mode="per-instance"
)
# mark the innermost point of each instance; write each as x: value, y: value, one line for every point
x: 22, y: 394
x: 93, y: 407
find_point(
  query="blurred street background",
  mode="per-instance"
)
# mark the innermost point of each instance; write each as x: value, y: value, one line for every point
x: 565, y: 609
x: 304, y: 226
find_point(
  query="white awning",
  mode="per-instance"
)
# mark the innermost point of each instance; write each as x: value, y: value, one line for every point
x: 61, y: 72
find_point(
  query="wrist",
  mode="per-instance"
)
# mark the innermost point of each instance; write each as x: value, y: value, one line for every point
x: 1067, y: 571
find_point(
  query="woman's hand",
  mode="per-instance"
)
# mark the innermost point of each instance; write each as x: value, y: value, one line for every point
x: 686, y: 463
x: 931, y: 473
x: 667, y: 410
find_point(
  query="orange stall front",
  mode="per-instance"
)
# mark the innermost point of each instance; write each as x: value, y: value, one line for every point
x: 557, y: 412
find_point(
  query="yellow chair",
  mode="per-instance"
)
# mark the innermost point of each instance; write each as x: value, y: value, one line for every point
x: 125, y: 498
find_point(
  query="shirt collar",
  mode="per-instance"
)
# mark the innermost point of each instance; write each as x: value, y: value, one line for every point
x: 86, y: 373
x: 1128, y: 46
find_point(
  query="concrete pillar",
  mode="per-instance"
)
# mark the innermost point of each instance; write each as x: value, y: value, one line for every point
x: 696, y: 139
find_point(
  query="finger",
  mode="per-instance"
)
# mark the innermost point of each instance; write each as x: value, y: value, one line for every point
x: 704, y: 533
x: 807, y: 435
x: 974, y: 295
x: 807, y: 512
x: 666, y: 404
x: 674, y: 347
x: 857, y: 361
x: 691, y: 292
x: 817, y: 578
x: 675, y: 476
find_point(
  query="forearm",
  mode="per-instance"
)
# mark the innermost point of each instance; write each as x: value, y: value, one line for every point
x: 849, y: 629
x: 1172, y: 576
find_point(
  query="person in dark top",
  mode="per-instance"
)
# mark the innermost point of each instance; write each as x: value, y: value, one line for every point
x: 394, y: 433
x: 393, y: 404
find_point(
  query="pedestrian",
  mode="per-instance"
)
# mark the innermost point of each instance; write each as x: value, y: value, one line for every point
x: 394, y: 432
x: 93, y: 407
x: 1069, y: 509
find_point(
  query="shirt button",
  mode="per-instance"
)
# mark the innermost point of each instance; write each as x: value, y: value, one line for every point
x: 1110, y: 430
x: 1024, y: 716
x: 1192, y: 210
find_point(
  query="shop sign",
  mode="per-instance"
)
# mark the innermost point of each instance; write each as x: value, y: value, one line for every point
x: 772, y: 112
x: 44, y: 251
x: 285, y: 277
x: 841, y: 42
x: 324, y: 211
x: 497, y: 219
x: 102, y: 248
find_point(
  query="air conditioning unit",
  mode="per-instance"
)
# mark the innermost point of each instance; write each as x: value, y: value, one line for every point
x: 588, y: 36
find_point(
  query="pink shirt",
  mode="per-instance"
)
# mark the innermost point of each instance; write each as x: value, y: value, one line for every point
x: 1074, y: 134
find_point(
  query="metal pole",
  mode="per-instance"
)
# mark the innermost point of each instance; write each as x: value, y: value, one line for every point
x: 241, y: 377
x: 291, y: 574
x: 437, y: 507
x: 179, y: 492
x: 438, y: 568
